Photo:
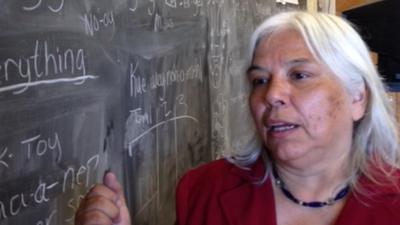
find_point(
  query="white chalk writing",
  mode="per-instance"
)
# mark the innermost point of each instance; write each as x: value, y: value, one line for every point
x: 163, y: 109
x: 169, y: 77
x: 81, y: 176
x: 53, y: 8
x: 141, y: 117
x: 47, y: 220
x: 3, y: 214
x: 55, y: 62
x: 137, y: 84
x: 15, y: 207
x: 162, y: 24
x: 183, y: 3
x: 19, y: 201
x: 3, y: 157
x: 134, y: 140
x: 165, y: 113
x: 94, y: 22
x: 171, y: 3
x: 150, y: 10
x: 182, y: 105
x: 39, y: 146
x: 40, y: 194
x: 134, y: 7
x: 73, y: 204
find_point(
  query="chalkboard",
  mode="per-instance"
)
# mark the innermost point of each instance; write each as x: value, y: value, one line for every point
x: 146, y: 88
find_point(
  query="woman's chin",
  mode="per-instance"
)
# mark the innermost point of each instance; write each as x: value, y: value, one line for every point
x: 290, y: 156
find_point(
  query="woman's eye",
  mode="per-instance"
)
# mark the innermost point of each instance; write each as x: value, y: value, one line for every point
x: 299, y: 75
x: 259, y: 81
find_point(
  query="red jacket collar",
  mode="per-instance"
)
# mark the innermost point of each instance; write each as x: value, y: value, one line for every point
x: 247, y: 202
x: 252, y: 173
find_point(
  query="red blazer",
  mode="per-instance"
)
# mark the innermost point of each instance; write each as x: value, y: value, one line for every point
x: 220, y: 193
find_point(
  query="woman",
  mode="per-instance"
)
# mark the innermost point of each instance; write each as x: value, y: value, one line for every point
x: 331, y: 151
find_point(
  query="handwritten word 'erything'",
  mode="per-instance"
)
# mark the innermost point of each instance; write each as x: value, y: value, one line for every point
x: 44, y: 66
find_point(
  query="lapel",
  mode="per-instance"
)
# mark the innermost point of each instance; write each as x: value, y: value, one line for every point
x: 372, y: 207
x: 246, y: 203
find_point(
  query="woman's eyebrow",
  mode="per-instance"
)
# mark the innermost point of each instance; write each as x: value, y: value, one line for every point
x: 288, y: 64
x: 298, y: 61
x: 255, y: 67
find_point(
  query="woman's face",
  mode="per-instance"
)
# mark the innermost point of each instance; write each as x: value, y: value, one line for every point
x: 302, y: 112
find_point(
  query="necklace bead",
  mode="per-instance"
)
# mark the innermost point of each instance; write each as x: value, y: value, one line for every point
x: 314, y: 204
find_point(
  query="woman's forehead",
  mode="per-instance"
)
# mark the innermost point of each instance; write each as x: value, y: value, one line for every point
x: 286, y: 46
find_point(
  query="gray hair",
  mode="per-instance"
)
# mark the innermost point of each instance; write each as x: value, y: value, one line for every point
x: 335, y: 43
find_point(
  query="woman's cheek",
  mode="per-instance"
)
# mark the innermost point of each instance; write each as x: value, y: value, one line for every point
x: 322, y: 111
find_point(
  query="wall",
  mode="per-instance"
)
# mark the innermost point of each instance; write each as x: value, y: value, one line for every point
x: 343, y: 5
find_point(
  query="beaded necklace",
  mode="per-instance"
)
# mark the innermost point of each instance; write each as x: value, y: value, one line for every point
x: 314, y: 204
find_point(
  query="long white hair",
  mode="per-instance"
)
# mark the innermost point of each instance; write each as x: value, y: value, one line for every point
x: 334, y: 42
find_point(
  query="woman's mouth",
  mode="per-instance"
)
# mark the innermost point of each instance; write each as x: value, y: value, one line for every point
x: 281, y: 127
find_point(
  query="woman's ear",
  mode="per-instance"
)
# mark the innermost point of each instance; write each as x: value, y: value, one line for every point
x: 359, y: 103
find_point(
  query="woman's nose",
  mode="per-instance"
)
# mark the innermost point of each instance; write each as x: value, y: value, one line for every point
x: 277, y: 93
